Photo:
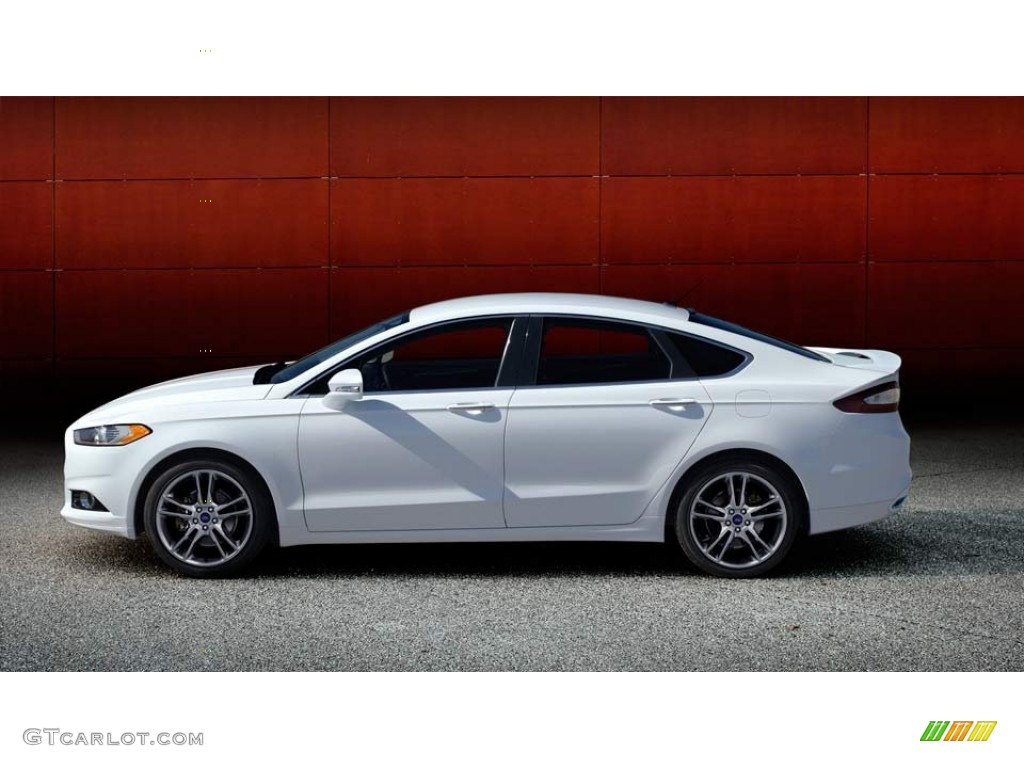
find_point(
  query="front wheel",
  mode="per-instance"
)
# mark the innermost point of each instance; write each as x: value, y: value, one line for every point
x: 738, y: 518
x: 208, y: 517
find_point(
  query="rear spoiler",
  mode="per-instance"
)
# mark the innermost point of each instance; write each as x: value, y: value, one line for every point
x: 866, y: 359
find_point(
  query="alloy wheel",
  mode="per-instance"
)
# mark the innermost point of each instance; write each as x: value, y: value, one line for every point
x: 738, y: 520
x: 204, y: 517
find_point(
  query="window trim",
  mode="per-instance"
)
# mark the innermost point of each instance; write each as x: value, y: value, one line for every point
x: 511, y: 356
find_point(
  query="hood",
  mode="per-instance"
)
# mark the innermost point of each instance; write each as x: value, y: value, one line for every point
x: 865, y: 359
x: 231, y: 384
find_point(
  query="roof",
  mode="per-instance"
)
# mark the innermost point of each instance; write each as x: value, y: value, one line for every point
x: 557, y: 303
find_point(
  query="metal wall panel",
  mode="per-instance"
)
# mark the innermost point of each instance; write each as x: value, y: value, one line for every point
x: 150, y: 224
x: 713, y: 135
x: 812, y: 304
x: 752, y: 209
x: 26, y: 225
x: 702, y: 286
x: 952, y: 305
x: 471, y: 136
x: 360, y: 296
x: 277, y: 313
x: 947, y: 218
x: 463, y: 221
x: 816, y: 304
x: 26, y: 137
x: 984, y: 373
x: 724, y: 219
x: 190, y: 137
x: 947, y: 135
x: 24, y: 382
x: 26, y: 314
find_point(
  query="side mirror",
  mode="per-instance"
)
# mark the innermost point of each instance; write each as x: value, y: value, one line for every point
x: 344, y: 387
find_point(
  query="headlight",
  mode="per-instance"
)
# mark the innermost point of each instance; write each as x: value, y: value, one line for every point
x: 112, y: 434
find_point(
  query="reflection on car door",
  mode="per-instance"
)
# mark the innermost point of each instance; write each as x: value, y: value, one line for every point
x: 602, y: 429
x: 423, y: 449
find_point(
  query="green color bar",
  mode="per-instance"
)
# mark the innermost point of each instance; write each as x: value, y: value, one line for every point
x: 935, y: 730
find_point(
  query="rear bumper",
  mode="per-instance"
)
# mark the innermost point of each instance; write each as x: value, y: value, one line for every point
x: 838, y: 518
x: 859, y: 472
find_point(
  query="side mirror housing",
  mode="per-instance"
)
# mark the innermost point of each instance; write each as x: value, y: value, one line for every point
x: 344, y: 387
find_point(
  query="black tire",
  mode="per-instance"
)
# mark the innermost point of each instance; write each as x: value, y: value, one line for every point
x: 251, y: 533
x: 738, y: 535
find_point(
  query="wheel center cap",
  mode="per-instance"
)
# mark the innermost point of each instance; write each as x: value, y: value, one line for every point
x: 205, y: 517
x: 737, y: 519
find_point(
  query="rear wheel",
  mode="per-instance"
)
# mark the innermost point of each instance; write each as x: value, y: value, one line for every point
x: 738, y: 518
x: 208, y: 518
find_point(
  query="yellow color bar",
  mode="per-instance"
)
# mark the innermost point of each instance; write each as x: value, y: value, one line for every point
x: 982, y: 730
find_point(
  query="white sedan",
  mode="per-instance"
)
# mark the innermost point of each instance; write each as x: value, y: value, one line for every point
x: 515, y: 417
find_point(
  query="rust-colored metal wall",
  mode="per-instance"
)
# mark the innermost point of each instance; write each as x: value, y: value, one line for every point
x: 142, y: 238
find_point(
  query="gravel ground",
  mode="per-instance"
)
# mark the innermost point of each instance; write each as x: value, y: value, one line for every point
x: 938, y: 587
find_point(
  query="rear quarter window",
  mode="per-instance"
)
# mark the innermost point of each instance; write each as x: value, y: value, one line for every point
x: 739, y: 330
x: 705, y: 358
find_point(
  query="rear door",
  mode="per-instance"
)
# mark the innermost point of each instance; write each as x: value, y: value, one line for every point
x: 605, y: 413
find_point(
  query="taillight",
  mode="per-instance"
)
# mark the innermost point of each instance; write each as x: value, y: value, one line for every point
x: 885, y: 398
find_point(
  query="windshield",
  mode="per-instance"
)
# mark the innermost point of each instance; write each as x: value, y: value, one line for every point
x: 325, y: 353
x: 724, y: 325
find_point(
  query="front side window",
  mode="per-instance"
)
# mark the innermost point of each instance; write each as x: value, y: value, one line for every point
x: 582, y: 351
x: 464, y: 355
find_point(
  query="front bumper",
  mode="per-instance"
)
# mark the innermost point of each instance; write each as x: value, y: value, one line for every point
x: 97, y: 521
x: 108, y: 473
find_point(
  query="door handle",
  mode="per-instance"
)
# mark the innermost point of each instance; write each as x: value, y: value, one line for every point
x: 673, y: 403
x: 470, y: 407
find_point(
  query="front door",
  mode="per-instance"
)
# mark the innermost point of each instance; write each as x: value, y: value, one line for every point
x: 423, y: 449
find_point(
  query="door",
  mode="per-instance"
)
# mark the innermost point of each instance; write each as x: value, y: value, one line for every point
x: 611, y: 412
x: 423, y: 449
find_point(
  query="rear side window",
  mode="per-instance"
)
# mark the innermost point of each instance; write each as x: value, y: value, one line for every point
x: 578, y: 351
x: 705, y: 358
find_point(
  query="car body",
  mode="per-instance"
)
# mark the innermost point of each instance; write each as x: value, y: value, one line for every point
x: 512, y: 417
